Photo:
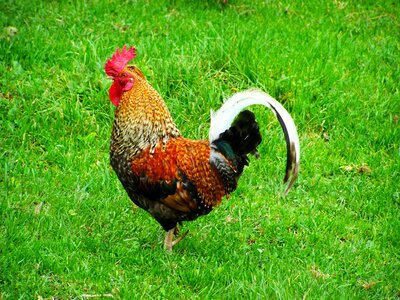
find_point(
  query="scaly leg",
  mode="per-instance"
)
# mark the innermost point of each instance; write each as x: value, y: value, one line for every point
x: 169, y: 242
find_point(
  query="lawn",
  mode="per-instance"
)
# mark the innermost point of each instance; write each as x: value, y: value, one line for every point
x: 67, y: 227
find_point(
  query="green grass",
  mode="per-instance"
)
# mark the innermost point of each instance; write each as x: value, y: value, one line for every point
x: 67, y: 228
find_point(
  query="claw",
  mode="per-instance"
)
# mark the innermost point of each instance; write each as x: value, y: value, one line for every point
x: 169, y: 242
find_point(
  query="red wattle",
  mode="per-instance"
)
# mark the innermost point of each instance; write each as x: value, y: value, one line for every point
x: 115, y: 93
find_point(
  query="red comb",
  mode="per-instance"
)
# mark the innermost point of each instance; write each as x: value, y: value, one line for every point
x: 119, y: 60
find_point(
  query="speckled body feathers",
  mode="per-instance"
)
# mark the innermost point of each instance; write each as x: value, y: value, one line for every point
x: 173, y: 178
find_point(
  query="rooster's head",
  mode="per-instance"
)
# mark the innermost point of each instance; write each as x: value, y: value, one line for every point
x: 114, y: 67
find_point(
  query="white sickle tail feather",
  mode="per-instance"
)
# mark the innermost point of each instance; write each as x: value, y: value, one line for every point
x: 222, y: 119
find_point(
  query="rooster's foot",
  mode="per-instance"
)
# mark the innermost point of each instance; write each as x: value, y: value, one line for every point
x: 169, y: 242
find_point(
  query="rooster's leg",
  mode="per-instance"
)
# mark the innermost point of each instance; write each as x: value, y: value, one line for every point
x: 169, y: 242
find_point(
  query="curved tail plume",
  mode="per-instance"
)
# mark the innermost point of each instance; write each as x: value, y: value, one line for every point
x: 222, y: 119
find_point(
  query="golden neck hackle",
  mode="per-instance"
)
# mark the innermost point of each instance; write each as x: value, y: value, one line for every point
x: 142, y: 119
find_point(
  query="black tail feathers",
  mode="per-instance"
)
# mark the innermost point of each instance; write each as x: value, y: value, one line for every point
x: 243, y: 136
x: 234, y: 144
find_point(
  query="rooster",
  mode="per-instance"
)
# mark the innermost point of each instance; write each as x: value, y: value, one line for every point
x: 177, y: 179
